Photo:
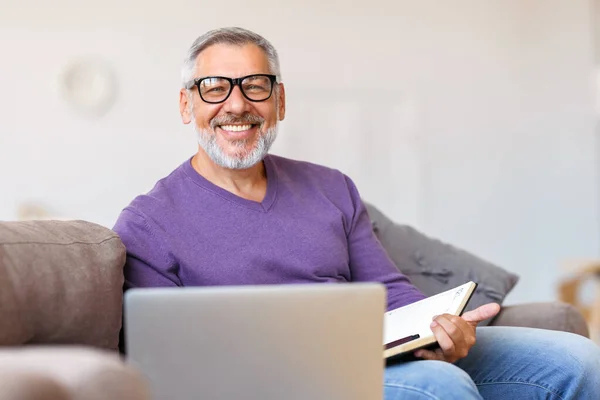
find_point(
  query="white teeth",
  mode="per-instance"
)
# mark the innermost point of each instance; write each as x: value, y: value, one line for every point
x: 236, y: 128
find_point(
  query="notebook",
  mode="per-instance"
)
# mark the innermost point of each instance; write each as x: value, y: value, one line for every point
x: 406, y: 329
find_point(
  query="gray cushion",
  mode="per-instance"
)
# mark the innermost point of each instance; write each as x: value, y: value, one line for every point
x: 434, y: 266
x: 60, y: 282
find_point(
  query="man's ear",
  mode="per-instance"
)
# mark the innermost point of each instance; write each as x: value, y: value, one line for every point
x: 185, y: 106
x: 281, y: 101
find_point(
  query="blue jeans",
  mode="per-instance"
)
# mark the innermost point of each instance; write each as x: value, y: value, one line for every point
x: 505, y: 363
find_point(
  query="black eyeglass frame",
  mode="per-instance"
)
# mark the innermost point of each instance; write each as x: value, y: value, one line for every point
x: 232, y: 83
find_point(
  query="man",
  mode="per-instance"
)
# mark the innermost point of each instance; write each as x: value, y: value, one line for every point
x: 235, y: 215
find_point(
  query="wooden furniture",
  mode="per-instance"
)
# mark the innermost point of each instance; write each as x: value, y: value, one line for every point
x: 571, y: 288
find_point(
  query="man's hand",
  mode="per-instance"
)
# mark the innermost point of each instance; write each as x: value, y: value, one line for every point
x: 456, y: 335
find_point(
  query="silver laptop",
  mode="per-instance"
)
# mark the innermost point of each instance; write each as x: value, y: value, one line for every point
x: 271, y: 342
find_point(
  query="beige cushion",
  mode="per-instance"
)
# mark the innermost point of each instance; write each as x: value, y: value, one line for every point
x: 82, y: 373
x: 28, y: 385
x: 60, y: 282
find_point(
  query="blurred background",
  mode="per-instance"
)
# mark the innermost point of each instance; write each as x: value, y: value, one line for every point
x: 474, y: 121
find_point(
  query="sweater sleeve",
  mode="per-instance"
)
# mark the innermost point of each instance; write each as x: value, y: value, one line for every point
x: 369, y: 262
x: 148, y: 263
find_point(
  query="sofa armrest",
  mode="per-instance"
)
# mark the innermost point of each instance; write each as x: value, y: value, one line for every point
x: 556, y: 316
x: 80, y: 373
x: 27, y: 385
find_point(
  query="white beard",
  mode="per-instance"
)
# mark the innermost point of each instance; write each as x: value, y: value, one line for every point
x: 248, y: 158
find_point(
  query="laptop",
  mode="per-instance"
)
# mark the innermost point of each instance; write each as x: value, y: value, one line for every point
x: 268, y: 342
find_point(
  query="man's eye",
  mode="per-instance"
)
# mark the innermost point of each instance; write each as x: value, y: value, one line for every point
x: 215, y: 89
x: 254, y: 87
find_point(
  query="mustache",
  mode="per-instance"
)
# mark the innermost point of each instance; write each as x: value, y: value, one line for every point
x: 233, y: 119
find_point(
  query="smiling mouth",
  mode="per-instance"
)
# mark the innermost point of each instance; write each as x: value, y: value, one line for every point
x: 237, y: 128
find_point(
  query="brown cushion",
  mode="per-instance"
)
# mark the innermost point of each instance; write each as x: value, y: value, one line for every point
x: 556, y: 316
x: 60, y: 282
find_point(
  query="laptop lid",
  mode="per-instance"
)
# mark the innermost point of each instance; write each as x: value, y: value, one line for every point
x: 270, y: 342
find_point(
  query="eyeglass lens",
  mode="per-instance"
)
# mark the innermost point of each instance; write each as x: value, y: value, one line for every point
x: 256, y: 88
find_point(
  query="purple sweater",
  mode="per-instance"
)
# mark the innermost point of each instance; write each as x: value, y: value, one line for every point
x: 311, y: 227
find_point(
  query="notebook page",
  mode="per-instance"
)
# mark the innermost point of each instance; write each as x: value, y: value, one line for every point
x: 415, y: 318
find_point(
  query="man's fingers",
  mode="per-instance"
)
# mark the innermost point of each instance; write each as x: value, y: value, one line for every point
x: 455, y: 327
x: 456, y: 335
x: 443, y: 338
x: 481, y: 313
x: 430, y: 355
x: 467, y: 329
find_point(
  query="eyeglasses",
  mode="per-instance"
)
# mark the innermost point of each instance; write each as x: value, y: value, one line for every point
x: 216, y: 89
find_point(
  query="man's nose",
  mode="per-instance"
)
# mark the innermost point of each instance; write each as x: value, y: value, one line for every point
x: 236, y: 103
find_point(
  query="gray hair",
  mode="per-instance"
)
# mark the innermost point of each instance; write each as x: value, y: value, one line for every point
x: 231, y: 36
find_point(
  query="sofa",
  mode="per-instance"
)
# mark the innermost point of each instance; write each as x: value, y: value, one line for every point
x: 61, y: 304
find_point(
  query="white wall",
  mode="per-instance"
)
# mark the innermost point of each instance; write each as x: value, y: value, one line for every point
x: 472, y: 120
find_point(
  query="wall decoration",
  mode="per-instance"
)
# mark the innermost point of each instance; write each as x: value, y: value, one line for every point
x: 89, y: 86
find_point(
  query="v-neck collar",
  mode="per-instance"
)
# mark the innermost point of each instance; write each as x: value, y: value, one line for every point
x: 263, y: 206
